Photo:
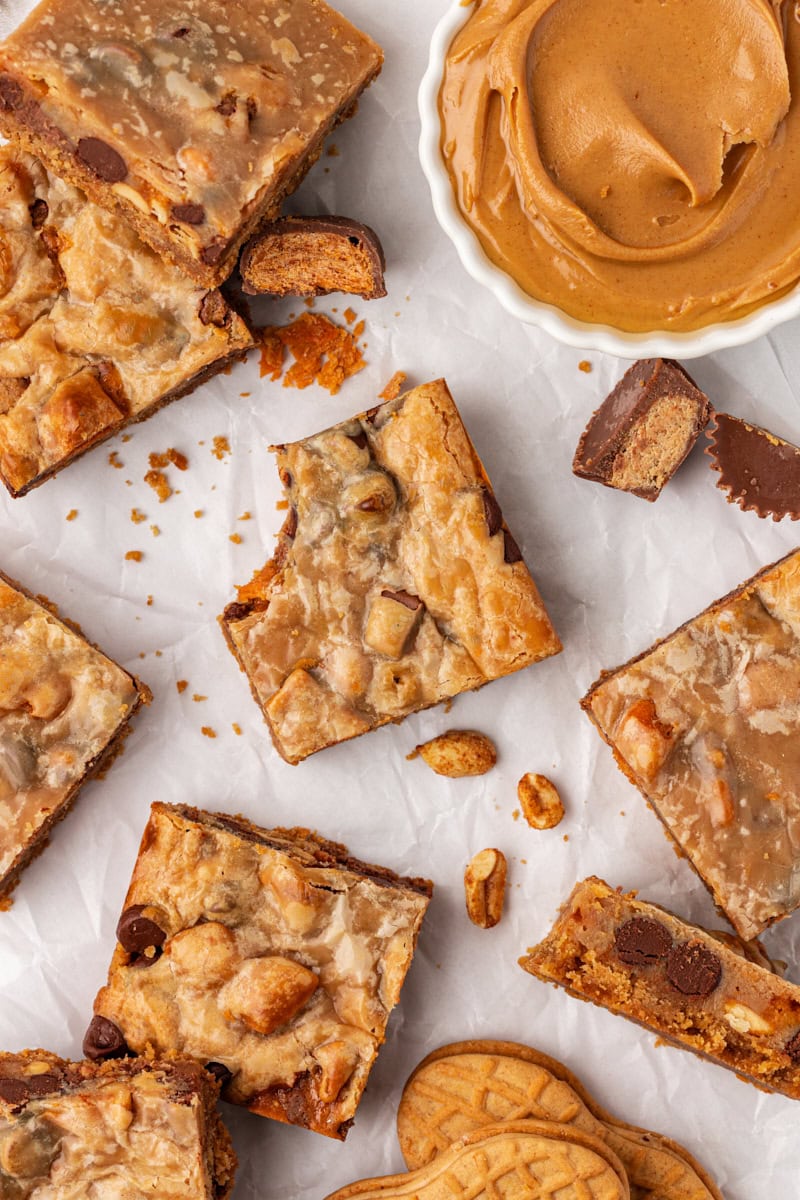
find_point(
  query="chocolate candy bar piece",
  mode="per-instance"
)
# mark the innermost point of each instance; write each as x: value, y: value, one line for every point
x: 192, y: 118
x: 312, y: 256
x: 64, y: 708
x: 707, y: 725
x: 96, y: 331
x: 271, y: 956
x: 125, y: 1128
x: 759, y: 471
x: 396, y: 583
x: 679, y: 981
x: 643, y: 430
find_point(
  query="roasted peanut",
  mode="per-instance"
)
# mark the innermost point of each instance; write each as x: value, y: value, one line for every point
x: 485, y: 887
x: 540, y: 802
x: 265, y: 993
x: 459, y: 752
x: 742, y: 1018
x: 643, y: 740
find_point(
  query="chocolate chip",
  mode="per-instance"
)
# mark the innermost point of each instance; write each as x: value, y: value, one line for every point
x: 213, y: 309
x: 102, y: 159
x: 227, y: 105
x: 237, y: 611
x: 641, y: 942
x: 181, y: 32
x: 42, y: 1085
x: 137, y: 933
x: 189, y: 214
x: 353, y: 240
x: 103, y: 1039
x: 511, y: 551
x: 213, y: 253
x: 13, y: 1091
x: 220, y: 1072
x: 290, y: 524
x: 492, y: 512
x: 252, y: 109
x: 412, y: 602
x: 792, y: 1047
x: 11, y: 94
x: 39, y: 211
x: 694, y: 969
x: 360, y: 439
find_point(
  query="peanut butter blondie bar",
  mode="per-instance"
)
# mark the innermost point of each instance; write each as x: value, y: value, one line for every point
x: 131, y: 1128
x: 270, y: 956
x: 707, y: 725
x: 95, y: 330
x: 64, y: 707
x: 683, y: 983
x: 395, y: 585
x: 193, y: 119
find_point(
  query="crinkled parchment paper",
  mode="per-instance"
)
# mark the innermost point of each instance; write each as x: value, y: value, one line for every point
x: 615, y: 572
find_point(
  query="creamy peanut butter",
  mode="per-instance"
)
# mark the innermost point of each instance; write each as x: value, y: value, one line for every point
x: 633, y: 162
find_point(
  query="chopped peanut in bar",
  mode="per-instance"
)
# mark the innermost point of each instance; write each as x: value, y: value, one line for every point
x: 221, y: 447
x: 236, y: 538
x: 134, y: 556
x: 157, y: 480
x: 207, y: 731
x: 137, y: 516
x: 394, y: 387
x: 114, y: 460
x: 72, y: 514
x: 324, y: 353
x: 182, y: 685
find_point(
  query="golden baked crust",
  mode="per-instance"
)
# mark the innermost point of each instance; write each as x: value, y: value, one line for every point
x: 193, y: 119
x: 395, y: 584
x: 143, y: 1127
x: 271, y: 954
x: 681, y: 982
x: 63, y: 708
x: 95, y: 330
x: 707, y: 725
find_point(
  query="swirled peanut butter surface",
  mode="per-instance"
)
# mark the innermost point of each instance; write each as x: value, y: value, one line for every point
x: 634, y: 162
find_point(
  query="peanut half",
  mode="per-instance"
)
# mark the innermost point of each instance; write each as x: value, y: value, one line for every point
x: 540, y: 802
x: 459, y: 752
x: 485, y: 887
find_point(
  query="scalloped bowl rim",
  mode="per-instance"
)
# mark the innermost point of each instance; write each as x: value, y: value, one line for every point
x: 579, y: 334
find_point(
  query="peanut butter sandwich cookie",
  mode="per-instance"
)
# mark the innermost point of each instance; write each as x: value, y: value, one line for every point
x: 396, y: 583
x: 468, y: 1085
x: 518, y: 1160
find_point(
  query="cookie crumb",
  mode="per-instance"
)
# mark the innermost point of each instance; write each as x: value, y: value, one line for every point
x: 237, y: 729
x: 156, y: 532
x: 199, y: 512
x: 114, y: 460
x: 157, y: 480
x: 394, y: 387
x: 182, y: 685
x: 236, y: 538
x: 221, y: 447
x: 71, y: 515
x: 149, y: 601
x: 158, y: 458
x: 333, y: 150
x: 325, y: 353
x: 585, y: 366
x: 246, y: 516
x: 134, y: 556
x: 137, y: 516
x: 207, y: 731
x: 126, y: 437
x: 198, y: 698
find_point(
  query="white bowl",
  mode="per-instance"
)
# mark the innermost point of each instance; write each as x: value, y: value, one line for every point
x: 567, y: 329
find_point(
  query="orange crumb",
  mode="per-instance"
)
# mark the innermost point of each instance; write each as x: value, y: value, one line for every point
x: 137, y: 516
x: 349, y: 315
x: 237, y: 729
x: 126, y: 437
x: 182, y: 685
x: 72, y: 514
x: 149, y: 601
x: 324, y: 353
x: 258, y: 586
x: 394, y: 387
x: 566, y: 837
x: 198, y: 512
x: 158, y: 482
x: 333, y: 150
x: 585, y: 366
x: 359, y: 329
x: 309, y: 302
x: 281, y: 505
x: 158, y: 459
x: 197, y: 697
x: 236, y: 538
x: 159, y: 653
x: 221, y: 447
x: 246, y: 516
x: 114, y: 460
x: 207, y: 731
x: 244, y: 395
x: 156, y: 532
x: 134, y: 555
x: 142, y: 654
x: 515, y: 814
x: 524, y: 862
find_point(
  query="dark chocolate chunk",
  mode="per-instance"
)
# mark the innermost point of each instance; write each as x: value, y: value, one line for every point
x: 759, y: 471
x: 360, y: 439
x: 608, y: 451
x: 189, y: 214
x: 227, y: 105
x: 354, y: 265
x: 214, y: 309
x: 103, y: 1039
x: 102, y: 159
x: 694, y: 969
x: 493, y: 513
x: 405, y: 598
x: 39, y: 211
x: 792, y: 1047
x: 42, y: 1085
x: 212, y: 253
x: 11, y: 94
x: 137, y: 933
x: 237, y: 611
x: 511, y: 551
x: 220, y: 1072
x: 14, y: 1091
x: 641, y: 942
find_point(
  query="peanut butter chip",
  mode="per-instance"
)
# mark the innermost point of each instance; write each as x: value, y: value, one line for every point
x: 694, y: 969
x: 641, y: 942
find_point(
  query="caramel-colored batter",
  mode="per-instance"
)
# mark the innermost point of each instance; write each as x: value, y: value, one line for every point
x: 634, y: 162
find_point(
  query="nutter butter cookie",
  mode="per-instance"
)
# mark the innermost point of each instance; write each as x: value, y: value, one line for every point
x: 468, y: 1085
x: 678, y: 980
x: 312, y: 256
x: 759, y: 471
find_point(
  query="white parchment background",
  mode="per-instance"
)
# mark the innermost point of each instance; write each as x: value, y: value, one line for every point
x: 615, y: 572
